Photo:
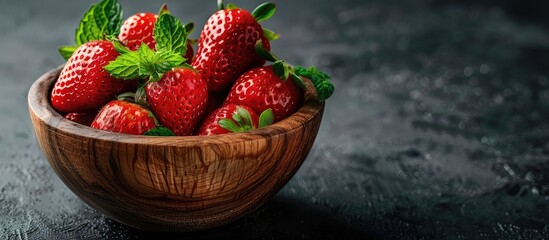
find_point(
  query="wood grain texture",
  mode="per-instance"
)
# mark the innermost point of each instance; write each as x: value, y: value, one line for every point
x: 173, y: 183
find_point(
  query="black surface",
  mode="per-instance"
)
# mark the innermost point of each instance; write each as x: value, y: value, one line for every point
x: 438, y: 127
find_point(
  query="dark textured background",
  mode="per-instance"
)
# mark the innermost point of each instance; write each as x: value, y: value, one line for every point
x: 438, y: 128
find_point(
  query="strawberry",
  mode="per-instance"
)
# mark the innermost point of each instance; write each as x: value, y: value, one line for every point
x: 261, y: 89
x: 226, y: 44
x: 83, y: 85
x: 234, y: 118
x: 139, y: 28
x: 124, y: 117
x: 82, y: 118
x: 175, y: 92
x: 179, y: 99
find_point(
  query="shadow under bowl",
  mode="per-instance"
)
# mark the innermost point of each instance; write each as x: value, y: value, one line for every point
x: 183, y: 183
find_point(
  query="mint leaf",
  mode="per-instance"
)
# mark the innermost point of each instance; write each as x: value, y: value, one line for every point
x: 170, y: 35
x: 103, y: 18
x: 147, y: 62
x: 144, y: 63
x: 109, y: 17
x: 320, y: 80
x: 67, y: 51
x: 159, y: 131
x: 166, y: 60
x: 126, y: 66
x: 87, y: 30
x: 270, y: 35
x: 264, y: 12
x: 266, y: 118
x: 155, y: 64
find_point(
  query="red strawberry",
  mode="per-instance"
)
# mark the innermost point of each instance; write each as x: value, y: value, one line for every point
x: 261, y: 89
x: 178, y: 99
x: 234, y: 118
x: 124, y: 117
x: 82, y: 118
x: 139, y: 29
x: 83, y: 85
x: 226, y: 47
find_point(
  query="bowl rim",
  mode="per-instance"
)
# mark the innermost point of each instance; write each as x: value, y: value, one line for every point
x: 40, y: 106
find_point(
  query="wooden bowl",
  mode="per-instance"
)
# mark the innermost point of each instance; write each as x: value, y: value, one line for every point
x: 173, y: 183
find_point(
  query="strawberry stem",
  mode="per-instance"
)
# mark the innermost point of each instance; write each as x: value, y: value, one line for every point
x: 220, y: 5
x: 128, y: 96
x: 141, y: 97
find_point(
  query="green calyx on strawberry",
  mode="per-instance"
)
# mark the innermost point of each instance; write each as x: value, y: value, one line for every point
x: 242, y: 121
x: 226, y: 44
x: 171, y: 45
x: 234, y: 118
x: 101, y: 20
x: 173, y: 90
x: 125, y: 117
x: 284, y: 70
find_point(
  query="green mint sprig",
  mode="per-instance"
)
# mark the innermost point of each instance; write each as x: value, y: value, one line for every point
x: 320, y: 80
x: 171, y: 44
x: 101, y: 20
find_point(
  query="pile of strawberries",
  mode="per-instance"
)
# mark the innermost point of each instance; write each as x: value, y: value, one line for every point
x: 141, y: 77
